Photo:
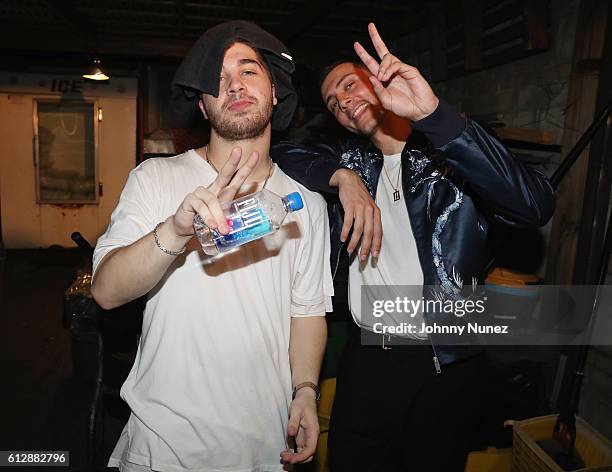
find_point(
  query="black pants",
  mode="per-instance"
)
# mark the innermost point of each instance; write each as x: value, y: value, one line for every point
x: 393, y: 412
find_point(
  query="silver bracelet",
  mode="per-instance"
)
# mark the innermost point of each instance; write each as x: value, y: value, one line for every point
x: 164, y: 248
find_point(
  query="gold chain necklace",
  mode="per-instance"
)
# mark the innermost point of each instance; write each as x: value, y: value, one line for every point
x: 396, y: 187
x: 217, y: 171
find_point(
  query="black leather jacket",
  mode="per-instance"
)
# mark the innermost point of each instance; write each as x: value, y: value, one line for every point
x: 454, y: 190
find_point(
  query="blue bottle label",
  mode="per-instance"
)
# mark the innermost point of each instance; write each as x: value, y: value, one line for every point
x: 248, y: 223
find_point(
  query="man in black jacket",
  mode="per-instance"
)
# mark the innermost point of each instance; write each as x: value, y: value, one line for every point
x: 439, y: 181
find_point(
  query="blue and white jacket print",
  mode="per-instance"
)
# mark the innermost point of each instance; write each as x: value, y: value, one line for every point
x: 457, y: 179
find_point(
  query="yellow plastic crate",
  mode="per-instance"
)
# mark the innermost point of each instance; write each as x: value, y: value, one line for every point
x: 491, y: 460
x: 328, y: 391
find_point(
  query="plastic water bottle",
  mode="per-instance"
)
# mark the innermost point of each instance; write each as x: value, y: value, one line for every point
x: 249, y: 218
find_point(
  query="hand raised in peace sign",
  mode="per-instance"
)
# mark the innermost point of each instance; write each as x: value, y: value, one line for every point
x: 400, y: 87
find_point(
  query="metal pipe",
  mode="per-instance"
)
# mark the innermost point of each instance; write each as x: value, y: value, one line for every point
x: 582, y: 143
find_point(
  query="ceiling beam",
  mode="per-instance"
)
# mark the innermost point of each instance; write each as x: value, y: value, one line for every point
x: 180, y: 17
x: 78, y: 22
x: 14, y: 39
x: 302, y: 33
x: 307, y: 15
x: 407, y: 24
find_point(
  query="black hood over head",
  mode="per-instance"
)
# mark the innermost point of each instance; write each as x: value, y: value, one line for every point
x: 200, y: 70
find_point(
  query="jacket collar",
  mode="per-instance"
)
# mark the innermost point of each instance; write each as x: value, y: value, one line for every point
x: 416, y: 142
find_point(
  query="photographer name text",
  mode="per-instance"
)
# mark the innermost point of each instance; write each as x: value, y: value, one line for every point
x: 435, y: 328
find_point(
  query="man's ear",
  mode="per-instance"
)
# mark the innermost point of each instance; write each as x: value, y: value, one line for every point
x: 274, y: 100
x: 202, y: 108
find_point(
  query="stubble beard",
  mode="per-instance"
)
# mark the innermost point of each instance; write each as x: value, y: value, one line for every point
x: 241, y: 126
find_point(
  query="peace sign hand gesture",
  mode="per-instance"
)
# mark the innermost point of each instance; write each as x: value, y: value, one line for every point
x: 207, y: 201
x: 400, y: 87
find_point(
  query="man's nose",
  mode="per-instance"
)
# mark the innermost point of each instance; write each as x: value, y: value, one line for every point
x: 235, y: 84
x: 345, y: 101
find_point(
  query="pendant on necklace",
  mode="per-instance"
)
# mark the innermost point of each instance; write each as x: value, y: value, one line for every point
x: 396, y: 195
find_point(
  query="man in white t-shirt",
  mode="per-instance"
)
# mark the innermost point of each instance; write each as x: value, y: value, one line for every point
x: 228, y: 361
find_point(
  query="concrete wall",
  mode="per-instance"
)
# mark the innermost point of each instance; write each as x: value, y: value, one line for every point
x: 525, y: 93
x: 596, y: 398
x: 530, y: 92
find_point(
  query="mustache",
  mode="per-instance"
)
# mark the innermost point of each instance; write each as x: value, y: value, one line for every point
x: 228, y: 103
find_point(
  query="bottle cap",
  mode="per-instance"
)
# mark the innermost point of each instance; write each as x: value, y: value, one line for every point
x: 295, y: 201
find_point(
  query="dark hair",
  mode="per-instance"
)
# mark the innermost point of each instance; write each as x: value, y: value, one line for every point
x: 351, y: 59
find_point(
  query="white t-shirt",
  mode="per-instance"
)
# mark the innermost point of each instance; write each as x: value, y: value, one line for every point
x: 398, y: 262
x: 211, y: 385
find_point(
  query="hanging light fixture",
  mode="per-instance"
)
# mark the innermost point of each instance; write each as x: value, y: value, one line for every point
x: 96, y: 72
